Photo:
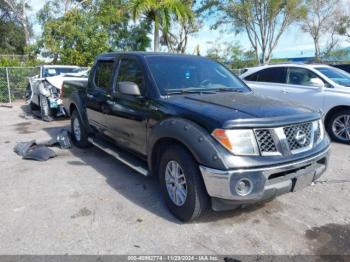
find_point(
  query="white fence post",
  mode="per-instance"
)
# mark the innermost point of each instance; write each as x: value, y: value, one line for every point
x: 8, y: 84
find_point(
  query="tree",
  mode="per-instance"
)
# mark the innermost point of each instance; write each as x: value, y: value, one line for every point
x: 322, y: 20
x: 264, y: 21
x: 343, y: 27
x: 12, y: 39
x: 176, y: 39
x: 233, y: 56
x: 75, y: 38
x: 124, y: 35
x: 86, y: 29
x: 19, y: 9
x: 161, y: 13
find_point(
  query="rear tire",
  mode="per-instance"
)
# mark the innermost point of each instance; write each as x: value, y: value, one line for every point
x: 338, y: 126
x: 192, y: 199
x: 78, y: 132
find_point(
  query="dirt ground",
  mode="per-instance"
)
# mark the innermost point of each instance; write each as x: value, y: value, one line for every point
x: 86, y: 202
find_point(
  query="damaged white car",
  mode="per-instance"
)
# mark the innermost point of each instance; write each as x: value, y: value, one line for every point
x: 44, y: 91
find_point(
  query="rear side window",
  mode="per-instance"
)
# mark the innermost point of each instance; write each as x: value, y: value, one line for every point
x: 104, y: 74
x: 130, y: 70
x: 273, y: 75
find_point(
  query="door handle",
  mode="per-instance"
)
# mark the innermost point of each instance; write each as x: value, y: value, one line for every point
x: 89, y: 96
x: 285, y: 92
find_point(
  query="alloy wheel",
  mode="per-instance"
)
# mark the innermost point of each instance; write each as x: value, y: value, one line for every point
x: 341, y: 127
x: 176, y: 183
x: 76, y: 129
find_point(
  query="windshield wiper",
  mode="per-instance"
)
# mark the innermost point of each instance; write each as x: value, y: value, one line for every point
x: 227, y: 89
x: 189, y: 91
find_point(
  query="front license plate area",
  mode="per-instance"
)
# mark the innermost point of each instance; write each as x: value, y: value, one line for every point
x: 303, y: 181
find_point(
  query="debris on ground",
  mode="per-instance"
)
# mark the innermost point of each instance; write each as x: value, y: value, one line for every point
x: 30, y: 150
x: 62, y: 139
x: 23, y: 147
x: 41, y: 152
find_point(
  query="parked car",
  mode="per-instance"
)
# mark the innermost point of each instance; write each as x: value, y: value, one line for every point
x: 197, y: 127
x: 320, y: 87
x: 44, y: 90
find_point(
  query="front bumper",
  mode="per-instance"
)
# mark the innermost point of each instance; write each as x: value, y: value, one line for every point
x: 266, y: 183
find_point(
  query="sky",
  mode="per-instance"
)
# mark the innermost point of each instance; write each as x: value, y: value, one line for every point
x: 293, y: 43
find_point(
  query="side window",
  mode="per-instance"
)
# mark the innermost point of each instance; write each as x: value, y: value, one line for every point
x: 301, y: 76
x: 252, y: 77
x: 272, y: 75
x: 130, y: 70
x: 104, y: 74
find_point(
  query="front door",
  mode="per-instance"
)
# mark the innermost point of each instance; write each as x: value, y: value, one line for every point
x: 299, y: 88
x: 127, y: 115
x: 98, y: 94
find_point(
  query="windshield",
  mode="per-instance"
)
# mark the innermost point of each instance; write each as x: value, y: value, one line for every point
x: 338, y: 76
x: 54, y: 71
x: 192, y: 74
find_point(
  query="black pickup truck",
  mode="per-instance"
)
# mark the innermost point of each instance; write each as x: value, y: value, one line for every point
x: 197, y: 127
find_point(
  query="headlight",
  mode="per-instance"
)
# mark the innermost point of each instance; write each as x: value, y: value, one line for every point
x: 239, y: 142
x: 318, y: 131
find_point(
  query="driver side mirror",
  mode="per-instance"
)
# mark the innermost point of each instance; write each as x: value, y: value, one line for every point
x: 129, y: 88
x: 317, y: 82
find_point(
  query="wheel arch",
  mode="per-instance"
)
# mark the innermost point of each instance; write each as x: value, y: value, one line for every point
x: 76, y: 104
x: 158, y: 149
x: 332, y: 111
x: 188, y: 134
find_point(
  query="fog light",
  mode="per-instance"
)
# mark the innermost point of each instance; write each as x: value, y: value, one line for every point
x: 244, y: 187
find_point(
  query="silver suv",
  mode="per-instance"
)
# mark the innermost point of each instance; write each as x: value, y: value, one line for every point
x: 320, y: 87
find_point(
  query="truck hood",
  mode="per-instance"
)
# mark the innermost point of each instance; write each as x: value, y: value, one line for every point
x: 240, y: 109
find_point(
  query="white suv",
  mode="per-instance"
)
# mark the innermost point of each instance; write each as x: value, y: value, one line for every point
x: 320, y: 87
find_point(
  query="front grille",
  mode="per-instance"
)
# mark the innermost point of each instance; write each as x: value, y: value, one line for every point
x: 265, y: 141
x: 304, y: 130
x: 293, y: 139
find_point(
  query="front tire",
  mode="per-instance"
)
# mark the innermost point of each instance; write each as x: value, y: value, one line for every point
x: 338, y: 126
x: 79, y: 134
x: 181, y: 184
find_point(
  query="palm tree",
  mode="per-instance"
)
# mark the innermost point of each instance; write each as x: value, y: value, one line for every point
x: 161, y: 13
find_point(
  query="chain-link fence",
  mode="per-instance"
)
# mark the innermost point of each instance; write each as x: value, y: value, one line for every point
x: 13, y: 82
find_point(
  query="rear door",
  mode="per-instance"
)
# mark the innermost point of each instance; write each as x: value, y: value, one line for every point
x: 127, y: 115
x: 98, y: 93
x: 269, y: 81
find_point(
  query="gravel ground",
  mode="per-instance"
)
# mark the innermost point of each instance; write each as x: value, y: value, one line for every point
x: 85, y: 202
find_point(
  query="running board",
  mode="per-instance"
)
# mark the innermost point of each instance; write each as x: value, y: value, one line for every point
x: 124, y: 157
